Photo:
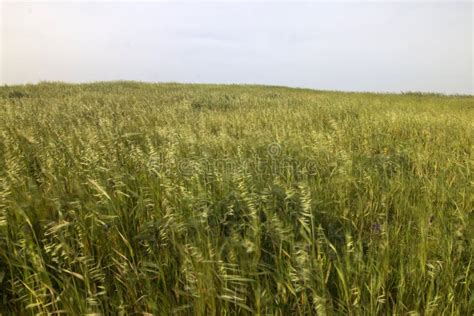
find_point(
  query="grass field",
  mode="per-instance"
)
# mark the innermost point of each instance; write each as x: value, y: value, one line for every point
x: 132, y: 198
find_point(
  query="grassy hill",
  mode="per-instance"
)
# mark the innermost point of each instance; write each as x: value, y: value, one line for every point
x: 141, y: 198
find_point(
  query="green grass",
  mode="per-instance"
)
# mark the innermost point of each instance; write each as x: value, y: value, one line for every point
x: 138, y: 198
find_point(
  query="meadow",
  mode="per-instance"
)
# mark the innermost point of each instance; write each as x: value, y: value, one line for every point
x: 128, y: 198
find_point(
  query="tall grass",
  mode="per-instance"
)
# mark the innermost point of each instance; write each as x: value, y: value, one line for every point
x: 122, y: 198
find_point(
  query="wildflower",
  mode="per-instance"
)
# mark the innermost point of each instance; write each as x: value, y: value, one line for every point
x: 376, y: 228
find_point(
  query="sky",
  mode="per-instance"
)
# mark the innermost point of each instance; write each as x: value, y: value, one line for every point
x: 354, y: 46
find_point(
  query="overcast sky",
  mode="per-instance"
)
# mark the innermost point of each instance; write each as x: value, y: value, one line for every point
x: 387, y: 46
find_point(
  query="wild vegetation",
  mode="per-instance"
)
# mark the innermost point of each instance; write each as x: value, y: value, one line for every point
x: 133, y: 198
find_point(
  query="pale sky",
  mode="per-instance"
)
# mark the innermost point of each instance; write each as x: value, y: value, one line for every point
x: 353, y: 46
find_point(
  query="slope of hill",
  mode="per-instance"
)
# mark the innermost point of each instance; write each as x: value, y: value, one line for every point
x: 206, y: 199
